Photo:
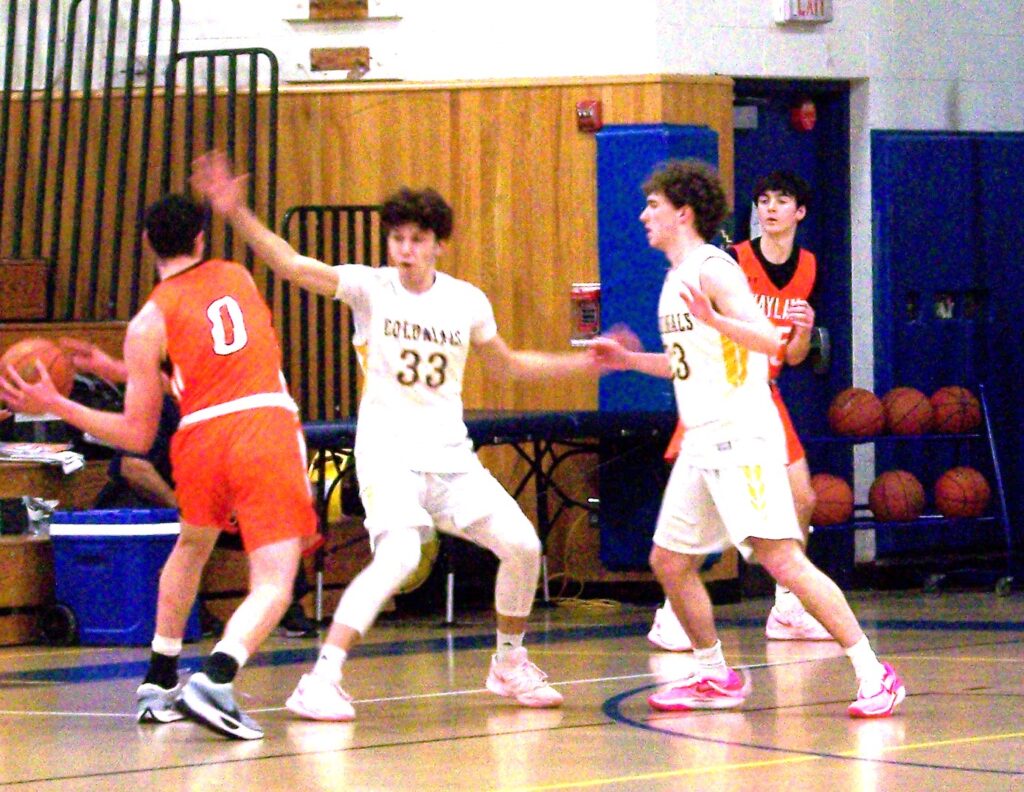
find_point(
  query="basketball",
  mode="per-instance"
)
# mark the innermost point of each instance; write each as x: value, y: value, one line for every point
x: 22, y: 355
x: 856, y: 412
x: 834, y: 499
x: 962, y: 492
x: 907, y: 411
x: 896, y: 496
x: 955, y: 410
x: 428, y: 555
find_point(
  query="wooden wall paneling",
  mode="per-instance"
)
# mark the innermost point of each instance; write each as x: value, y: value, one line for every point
x: 26, y: 582
x: 109, y: 336
x: 346, y: 59
x: 338, y: 9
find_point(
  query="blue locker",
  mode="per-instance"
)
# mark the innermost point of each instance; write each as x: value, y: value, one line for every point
x: 947, y: 222
x: 632, y: 472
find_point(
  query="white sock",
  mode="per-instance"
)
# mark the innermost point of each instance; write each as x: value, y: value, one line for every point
x: 711, y: 661
x: 865, y: 665
x: 170, y: 647
x: 329, y: 663
x: 233, y: 649
x: 507, y: 642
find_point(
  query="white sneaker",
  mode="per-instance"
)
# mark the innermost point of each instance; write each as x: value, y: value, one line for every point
x: 516, y: 677
x: 317, y: 698
x: 796, y: 625
x: 667, y: 633
x: 156, y: 704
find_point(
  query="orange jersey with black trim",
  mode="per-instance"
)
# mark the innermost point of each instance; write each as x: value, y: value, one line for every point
x: 774, y: 301
x: 220, y: 335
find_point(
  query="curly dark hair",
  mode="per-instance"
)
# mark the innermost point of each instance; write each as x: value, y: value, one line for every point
x: 426, y: 208
x: 786, y: 182
x: 693, y: 183
x: 172, y: 224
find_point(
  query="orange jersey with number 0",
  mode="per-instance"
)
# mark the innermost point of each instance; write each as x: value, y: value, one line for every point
x: 220, y: 336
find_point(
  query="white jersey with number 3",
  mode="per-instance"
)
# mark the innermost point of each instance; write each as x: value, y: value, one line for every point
x: 721, y: 388
x: 416, y: 345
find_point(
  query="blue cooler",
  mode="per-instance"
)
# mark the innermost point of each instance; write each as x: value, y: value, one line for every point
x: 106, y: 565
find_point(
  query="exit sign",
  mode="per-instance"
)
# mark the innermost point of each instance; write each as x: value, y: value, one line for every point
x: 815, y: 11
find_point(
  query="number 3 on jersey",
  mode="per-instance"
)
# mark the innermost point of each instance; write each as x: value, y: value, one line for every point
x: 434, y: 367
x: 227, y: 325
x: 677, y: 361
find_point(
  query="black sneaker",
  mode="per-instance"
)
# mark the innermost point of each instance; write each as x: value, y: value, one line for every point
x: 296, y: 624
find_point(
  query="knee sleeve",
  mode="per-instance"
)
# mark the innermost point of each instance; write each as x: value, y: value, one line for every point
x: 395, y: 557
x: 512, y: 538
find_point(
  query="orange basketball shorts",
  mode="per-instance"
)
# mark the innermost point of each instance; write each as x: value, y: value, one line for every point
x: 245, y: 472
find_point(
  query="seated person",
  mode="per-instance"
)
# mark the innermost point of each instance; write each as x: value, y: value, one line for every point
x: 143, y: 481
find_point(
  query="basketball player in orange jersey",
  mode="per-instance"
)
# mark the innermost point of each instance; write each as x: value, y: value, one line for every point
x: 238, y: 457
x: 781, y: 276
x: 728, y: 485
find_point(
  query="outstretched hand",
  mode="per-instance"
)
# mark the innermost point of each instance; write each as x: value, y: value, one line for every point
x: 609, y: 353
x: 213, y: 179
x: 30, y: 398
x: 697, y: 302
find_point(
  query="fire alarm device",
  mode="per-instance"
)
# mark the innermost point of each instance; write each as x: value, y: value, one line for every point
x: 588, y: 115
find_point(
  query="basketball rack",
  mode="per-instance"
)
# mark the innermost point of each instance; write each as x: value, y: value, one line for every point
x: 1003, y: 579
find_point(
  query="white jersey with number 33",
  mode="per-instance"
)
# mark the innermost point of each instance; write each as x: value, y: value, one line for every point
x: 416, y: 345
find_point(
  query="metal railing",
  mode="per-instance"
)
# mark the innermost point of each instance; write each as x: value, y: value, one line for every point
x: 317, y: 332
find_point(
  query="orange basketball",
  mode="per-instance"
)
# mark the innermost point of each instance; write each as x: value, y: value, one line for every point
x: 834, y: 503
x: 907, y: 411
x: 955, y: 410
x: 856, y: 412
x: 896, y: 496
x: 962, y: 492
x: 23, y: 354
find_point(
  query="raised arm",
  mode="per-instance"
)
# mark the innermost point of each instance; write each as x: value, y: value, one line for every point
x: 213, y: 179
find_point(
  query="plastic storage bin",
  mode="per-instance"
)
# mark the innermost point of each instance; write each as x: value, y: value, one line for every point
x: 107, y: 566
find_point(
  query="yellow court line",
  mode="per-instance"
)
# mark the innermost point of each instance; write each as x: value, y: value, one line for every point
x: 948, y: 659
x: 693, y: 771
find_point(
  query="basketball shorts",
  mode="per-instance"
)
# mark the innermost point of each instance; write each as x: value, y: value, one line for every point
x: 740, y: 491
x: 794, y: 448
x: 245, y: 472
x: 448, y: 502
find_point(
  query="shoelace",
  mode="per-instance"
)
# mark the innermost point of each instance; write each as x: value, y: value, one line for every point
x: 527, y: 677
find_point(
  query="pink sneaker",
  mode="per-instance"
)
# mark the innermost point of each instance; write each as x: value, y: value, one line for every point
x: 795, y: 626
x: 320, y: 699
x: 702, y: 692
x: 667, y: 633
x: 516, y: 677
x: 884, y: 701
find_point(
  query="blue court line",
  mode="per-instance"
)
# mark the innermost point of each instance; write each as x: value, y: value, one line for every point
x: 282, y: 657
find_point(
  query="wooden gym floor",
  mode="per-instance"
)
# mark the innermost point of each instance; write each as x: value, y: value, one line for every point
x: 425, y: 722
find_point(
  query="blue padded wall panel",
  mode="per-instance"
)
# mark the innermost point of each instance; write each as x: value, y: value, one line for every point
x: 632, y: 478
x: 631, y: 272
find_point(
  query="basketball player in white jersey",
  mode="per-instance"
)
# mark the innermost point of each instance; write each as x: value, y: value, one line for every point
x: 729, y: 483
x: 416, y: 466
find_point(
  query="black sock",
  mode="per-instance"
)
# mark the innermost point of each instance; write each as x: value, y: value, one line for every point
x: 220, y: 668
x: 163, y: 670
